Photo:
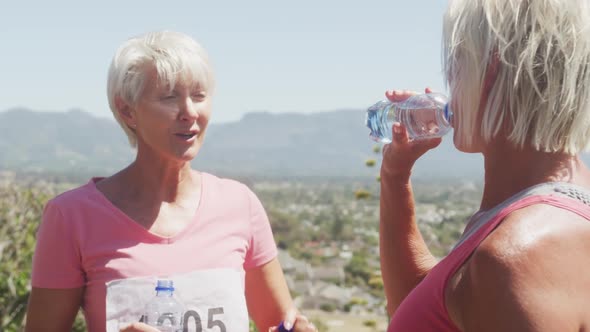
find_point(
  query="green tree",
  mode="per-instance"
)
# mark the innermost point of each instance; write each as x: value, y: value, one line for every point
x: 286, y: 228
x: 358, y: 269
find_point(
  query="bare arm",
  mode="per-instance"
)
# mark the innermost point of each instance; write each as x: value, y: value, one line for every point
x: 53, y: 310
x: 405, y: 258
x: 269, y: 301
x: 267, y: 295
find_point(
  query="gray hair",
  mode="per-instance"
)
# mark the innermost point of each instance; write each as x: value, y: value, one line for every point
x: 174, y: 56
x: 542, y: 85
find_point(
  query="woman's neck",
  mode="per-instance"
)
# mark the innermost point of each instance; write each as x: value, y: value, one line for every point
x: 509, y: 170
x: 161, y: 180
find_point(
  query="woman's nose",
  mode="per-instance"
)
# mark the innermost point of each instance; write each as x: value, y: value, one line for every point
x: 189, y: 110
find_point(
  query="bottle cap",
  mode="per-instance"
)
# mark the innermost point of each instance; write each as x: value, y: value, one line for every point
x: 448, y: 113
x: 282, y: 328
x: 165, y: 285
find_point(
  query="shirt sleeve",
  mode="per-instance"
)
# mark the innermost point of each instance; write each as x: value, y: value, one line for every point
x: 57, y: 260
x: 262, y: 247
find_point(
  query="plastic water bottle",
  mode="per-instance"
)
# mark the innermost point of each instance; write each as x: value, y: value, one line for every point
x: 424, y: 116
x: 165, y: 312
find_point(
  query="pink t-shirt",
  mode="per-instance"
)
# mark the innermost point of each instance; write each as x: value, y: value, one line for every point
x: 85, y: 241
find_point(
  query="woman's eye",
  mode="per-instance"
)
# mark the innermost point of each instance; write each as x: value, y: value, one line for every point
x: 198, y: 96
x: 168, y: 97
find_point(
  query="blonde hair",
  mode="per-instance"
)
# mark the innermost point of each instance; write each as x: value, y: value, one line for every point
x: 542, y: 83
x: 174, y: 56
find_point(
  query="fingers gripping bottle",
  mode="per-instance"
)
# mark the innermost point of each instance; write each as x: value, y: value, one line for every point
x: 424, y: 116
x: 164, y: 311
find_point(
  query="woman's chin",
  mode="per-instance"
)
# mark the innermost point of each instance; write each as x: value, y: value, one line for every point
x: 190, y: 154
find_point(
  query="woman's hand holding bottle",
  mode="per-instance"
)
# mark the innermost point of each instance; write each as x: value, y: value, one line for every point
x: 400, y: 155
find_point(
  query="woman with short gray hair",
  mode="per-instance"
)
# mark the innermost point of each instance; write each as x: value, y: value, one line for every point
x: 106, y: 245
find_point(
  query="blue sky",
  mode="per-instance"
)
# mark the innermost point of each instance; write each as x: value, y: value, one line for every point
x: 277, y: 56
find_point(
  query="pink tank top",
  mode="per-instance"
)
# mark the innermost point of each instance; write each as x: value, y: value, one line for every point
x: 424, y: 308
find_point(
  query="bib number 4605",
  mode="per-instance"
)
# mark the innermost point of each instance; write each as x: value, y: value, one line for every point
x: 212, y: 320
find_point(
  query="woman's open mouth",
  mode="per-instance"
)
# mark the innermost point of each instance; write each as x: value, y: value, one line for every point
x: 188, y: 137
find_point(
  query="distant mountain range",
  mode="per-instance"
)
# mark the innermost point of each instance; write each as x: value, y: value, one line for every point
x: 328, y: 144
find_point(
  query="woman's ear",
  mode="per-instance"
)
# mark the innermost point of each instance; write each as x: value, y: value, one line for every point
x: 125, y: 112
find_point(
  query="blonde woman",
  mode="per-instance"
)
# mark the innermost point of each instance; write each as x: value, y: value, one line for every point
x: 519, y: 77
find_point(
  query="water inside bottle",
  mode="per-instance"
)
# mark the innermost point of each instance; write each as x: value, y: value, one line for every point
x: 422, y: 123
x: 423, y: 116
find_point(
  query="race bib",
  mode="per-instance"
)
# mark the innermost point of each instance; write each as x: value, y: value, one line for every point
x: 213, y: 300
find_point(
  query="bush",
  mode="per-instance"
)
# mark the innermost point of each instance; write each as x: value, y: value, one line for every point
x: 327, y: 307
x: 20, y: 213
x: 370, y: 163
x: 362, y: 194
x: 358, y: 270
x: 320, y: 325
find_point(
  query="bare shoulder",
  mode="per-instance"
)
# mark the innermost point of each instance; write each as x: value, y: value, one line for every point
x: 538, y: 238
x: 530, y: 274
